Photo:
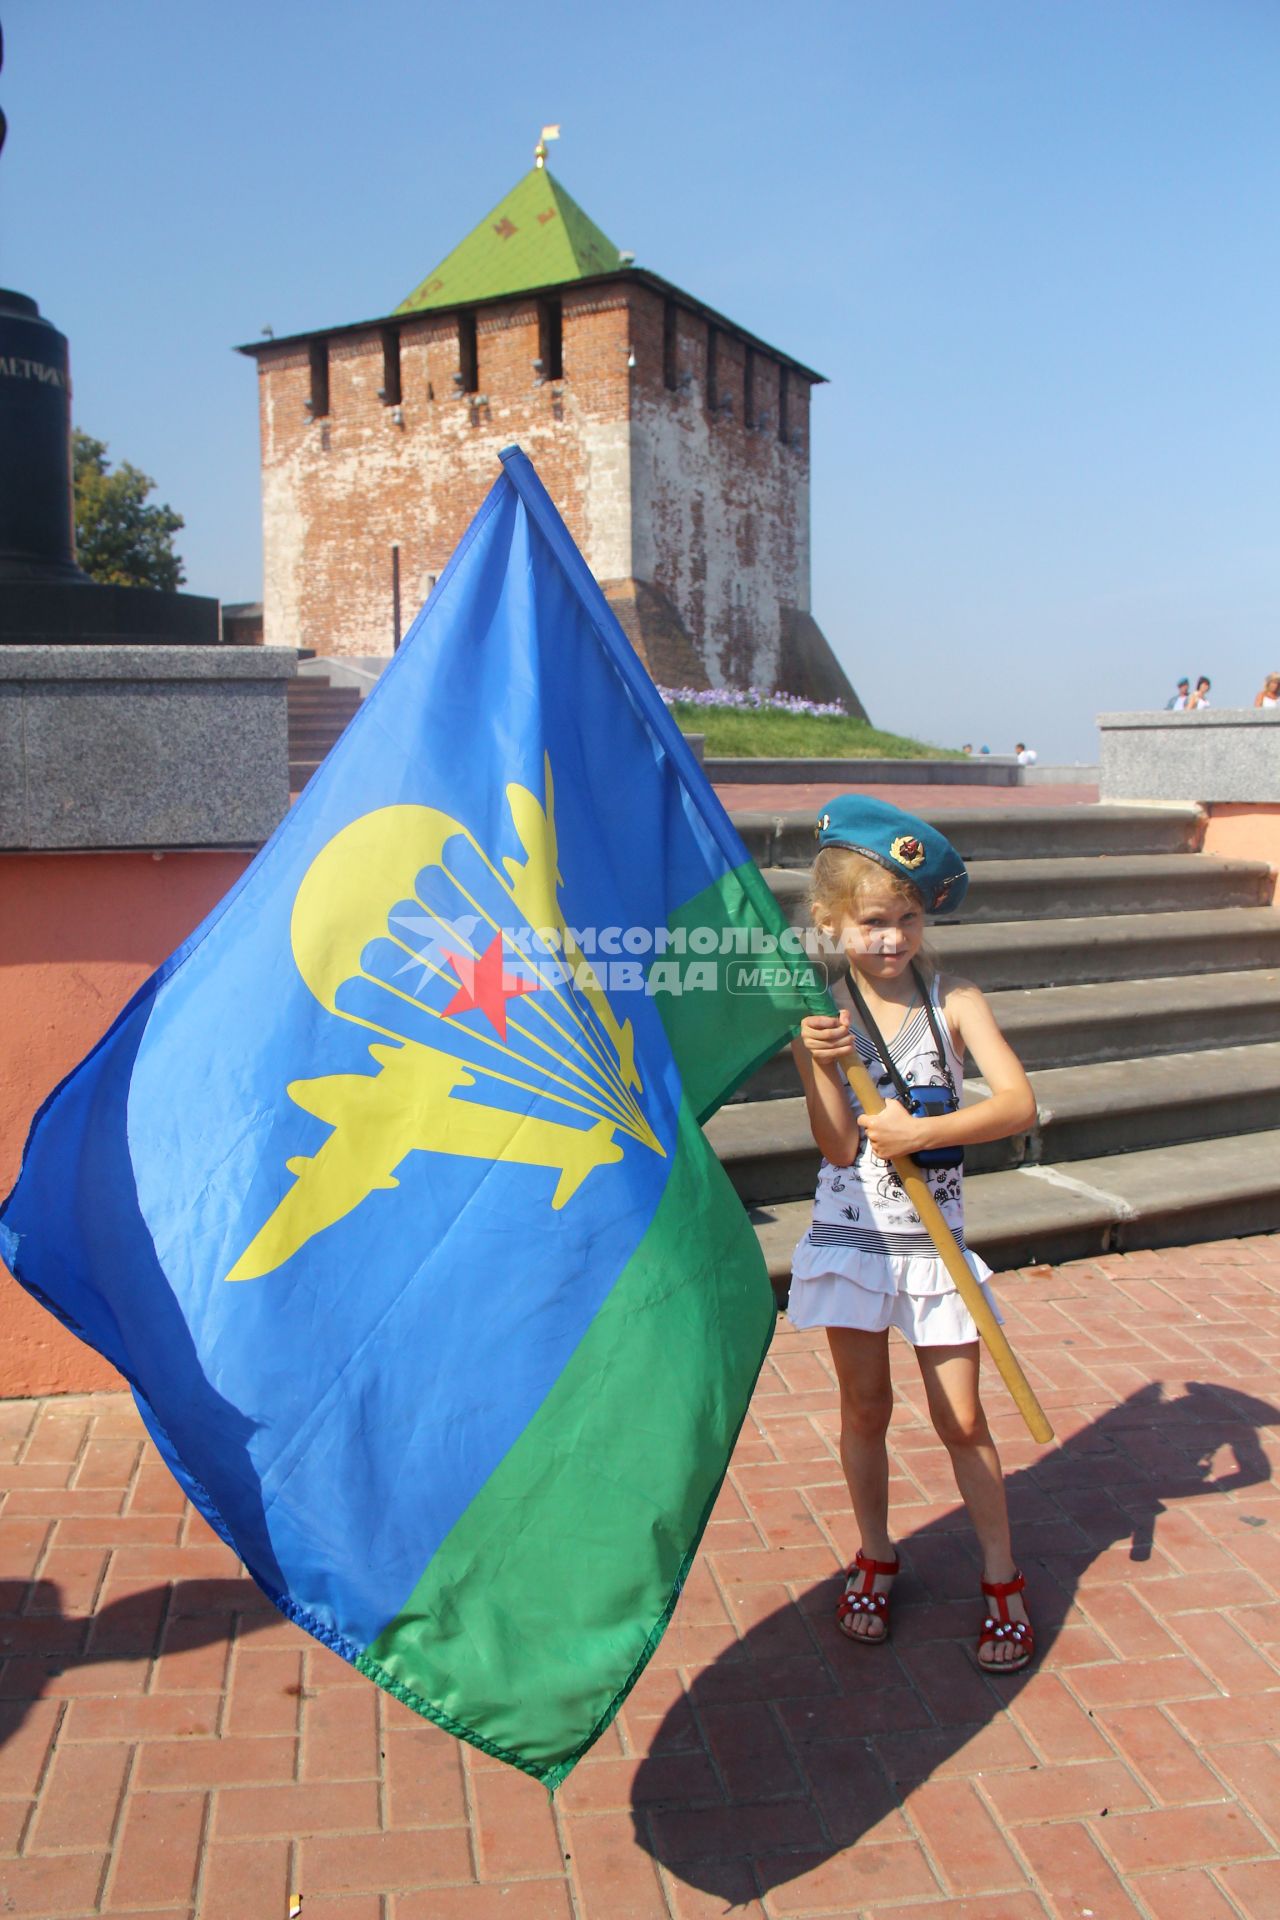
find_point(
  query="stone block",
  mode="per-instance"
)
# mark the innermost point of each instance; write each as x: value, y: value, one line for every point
x: 1070, y: 773
x: 986, y: 770
x: 361, y: 671
x: 1209, y: 756
x: 145, y: 746
x: 12, y: 809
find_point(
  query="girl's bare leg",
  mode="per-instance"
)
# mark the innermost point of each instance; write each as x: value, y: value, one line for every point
x: 950, y: 1376
x: 866, y: 1402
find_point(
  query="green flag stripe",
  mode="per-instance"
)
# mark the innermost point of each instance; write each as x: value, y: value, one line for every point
x: 543, y: 1603
x: 720, y: 1038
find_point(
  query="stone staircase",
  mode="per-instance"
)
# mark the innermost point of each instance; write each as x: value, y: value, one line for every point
x: 1139, y: 981
x: 318, y: 713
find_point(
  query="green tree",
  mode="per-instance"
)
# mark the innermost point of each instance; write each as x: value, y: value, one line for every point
x: 120, y: 540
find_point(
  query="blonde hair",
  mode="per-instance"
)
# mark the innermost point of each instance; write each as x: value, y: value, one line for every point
x: 842, y: 880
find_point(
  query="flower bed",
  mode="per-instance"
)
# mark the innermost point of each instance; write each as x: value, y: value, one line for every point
x: 754, y: 699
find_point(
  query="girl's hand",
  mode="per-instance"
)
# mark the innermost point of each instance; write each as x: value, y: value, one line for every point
x: 823, y: 1042
x: 894, y: 1131
x: 826, y: 1038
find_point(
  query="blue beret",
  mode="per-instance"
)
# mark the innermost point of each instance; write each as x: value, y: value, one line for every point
x: 903, y: 845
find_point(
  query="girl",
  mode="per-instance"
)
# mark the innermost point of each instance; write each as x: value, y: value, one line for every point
x: 866, y: 1262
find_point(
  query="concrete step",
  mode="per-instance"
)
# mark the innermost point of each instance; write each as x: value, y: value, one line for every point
x: 316, y: 733
x: 316, y: 686
x: 1125, y: 1106
x: 1124, y: 1019
x: 1072, y: 888
x: 313, y: 747
x: 1001, y: 833
x: 319, y: 714
x: 1116, y: 1107
x: 1167, y: 1196
x: 1075, y: 1026
x: 1059, y: 953
x: 1052, y: 953
x: 1139, y: 981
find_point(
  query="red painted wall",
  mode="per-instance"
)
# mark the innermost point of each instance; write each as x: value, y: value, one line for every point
x: 1244, y: 831
x: 79, y: 932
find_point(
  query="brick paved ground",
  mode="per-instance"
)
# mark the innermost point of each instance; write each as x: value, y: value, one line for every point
x: 171, y: 1747
x: 915, y: 799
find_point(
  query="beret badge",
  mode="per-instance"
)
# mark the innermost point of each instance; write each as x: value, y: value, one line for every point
x: 907, y: 851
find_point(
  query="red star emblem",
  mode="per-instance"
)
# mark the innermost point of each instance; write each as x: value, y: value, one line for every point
x: 486, y: 986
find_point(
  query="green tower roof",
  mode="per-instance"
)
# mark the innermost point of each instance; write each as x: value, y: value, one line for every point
x: 538, y: 236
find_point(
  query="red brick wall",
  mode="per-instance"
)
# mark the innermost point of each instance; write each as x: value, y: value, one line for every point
x: 338, y: 491
x: 652, y: 485
x: 720, y: 506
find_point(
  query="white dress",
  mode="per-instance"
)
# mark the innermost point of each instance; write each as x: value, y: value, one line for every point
x: 867, y: 1260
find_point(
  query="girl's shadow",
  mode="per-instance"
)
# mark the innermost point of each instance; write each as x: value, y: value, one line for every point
x: 769, y: 1757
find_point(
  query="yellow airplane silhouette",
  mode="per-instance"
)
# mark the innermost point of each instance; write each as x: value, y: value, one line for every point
x: 378, y: 1119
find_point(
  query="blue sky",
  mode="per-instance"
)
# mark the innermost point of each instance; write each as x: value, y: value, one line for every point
x: 1031, y: 242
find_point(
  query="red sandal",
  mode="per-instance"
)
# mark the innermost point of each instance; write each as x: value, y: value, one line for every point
x: 866, y: 1599
x: 999, y: 1629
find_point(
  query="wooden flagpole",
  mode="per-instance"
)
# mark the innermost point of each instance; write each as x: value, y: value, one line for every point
x: 966, y: 1286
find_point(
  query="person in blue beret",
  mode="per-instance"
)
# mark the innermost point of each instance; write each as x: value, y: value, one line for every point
x: 867, y: 1262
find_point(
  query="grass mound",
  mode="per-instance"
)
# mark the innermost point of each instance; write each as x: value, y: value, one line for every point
x: 758, y: 734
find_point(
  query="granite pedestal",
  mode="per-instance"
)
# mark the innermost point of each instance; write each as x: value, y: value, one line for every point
x: 1212, y: 755
x: 142, y: 746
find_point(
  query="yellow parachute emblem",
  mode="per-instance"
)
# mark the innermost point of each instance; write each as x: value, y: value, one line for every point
x: 566, y: 1047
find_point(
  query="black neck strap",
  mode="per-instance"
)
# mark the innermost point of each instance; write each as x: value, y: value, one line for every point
x: 877, y: 1039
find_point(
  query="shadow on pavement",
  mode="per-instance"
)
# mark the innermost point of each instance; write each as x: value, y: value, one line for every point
x: 817, y: 1742
x: 39, y: 1642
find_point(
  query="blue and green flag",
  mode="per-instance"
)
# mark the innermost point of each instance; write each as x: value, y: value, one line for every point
x: 387, y: 1193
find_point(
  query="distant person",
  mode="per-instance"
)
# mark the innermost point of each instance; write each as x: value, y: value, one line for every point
x: 967, y: 747
x: 1180, y: 698
x: 984, y: 749
x: 1269, y: 696
x: 1026, y: 755
x: 1200, y: 698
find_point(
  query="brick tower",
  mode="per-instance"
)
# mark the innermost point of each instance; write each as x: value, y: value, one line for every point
x: 675, y: 444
